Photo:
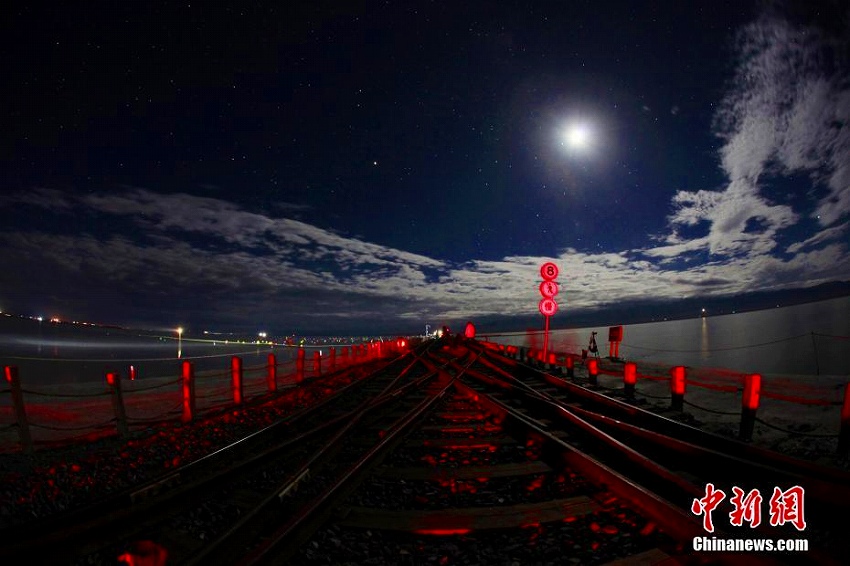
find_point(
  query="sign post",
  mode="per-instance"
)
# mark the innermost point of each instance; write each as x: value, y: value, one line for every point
x: 548, y: 306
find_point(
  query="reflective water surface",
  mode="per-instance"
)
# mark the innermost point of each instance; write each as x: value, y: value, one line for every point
x: 810, y: 338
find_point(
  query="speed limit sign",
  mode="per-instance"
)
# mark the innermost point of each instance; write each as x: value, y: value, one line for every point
x: 549, y: 271
x: 548, y: 307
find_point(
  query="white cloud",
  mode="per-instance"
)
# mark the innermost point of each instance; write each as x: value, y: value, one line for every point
x: 787, y: 112
x: 306, y: 271
x: 821, y: 237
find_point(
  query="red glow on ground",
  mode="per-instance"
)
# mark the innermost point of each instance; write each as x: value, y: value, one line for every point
x: 454, y: 417
x: 442, y: 532
x: 536, y: 483
x: 468, y: 447
x: 144, y: 553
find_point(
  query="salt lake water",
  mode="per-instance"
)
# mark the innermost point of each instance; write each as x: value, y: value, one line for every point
x: 802, y: 339
x: 47, y: 353
x: 810, y: 339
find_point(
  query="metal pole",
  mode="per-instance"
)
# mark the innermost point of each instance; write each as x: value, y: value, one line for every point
x: 546, y: 340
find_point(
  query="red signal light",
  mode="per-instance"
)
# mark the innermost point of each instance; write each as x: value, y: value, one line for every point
x: 677, y: 385
x: 630, y: 373
x: 752, y: 391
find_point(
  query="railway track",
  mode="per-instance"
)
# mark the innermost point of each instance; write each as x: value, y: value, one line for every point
x: 188, y: 505
x: 451, y: 454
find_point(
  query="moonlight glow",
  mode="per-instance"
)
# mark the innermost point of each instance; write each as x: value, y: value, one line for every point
x: 576, y: 137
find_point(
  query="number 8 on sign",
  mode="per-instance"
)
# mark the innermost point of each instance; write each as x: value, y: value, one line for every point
x: 549, y: 271
x: 548, y: 307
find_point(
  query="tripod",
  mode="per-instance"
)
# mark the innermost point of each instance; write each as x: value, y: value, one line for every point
x: 591, y: 346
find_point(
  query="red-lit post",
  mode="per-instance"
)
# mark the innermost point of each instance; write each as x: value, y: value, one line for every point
x: 271, y: 372
x: 332, y: 360
x: 11, y: 373
x: 317, y: 363
x: 629, y: 379
x: 571, y: 366
x: 593, y: 371
x: 114, y: 382
x: 750, y: 404
x: 188, y: 388
x: 553, y: 360
x: 677, y: 388
x: 844, y: 434
x: 299, y: 365
x: 132, y: 373
x: 236, y: 379
x: 344, y: 356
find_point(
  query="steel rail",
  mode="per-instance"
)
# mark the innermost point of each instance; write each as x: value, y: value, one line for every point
x: 665, y: 513
x: 114, y: 511
x: 681, y: 431
x: 267, y: 551
x: 352, y: 418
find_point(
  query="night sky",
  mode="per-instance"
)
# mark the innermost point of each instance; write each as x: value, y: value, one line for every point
x: 322, y: 167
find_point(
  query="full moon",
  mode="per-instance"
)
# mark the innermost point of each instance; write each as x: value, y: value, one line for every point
x: 576, y: 136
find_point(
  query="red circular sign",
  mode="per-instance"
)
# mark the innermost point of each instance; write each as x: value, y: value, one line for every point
x: 548, y: 307
x: 549, y: 271
x: 548, y: 289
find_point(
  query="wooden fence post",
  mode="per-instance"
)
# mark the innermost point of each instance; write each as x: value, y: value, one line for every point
x: 114, y: 381
x: 236, y: 379
x: 749, y: 405
x: 677, y: 388
x: 317, y: 363
x: 593, y: 371
x: 271, y: 373
x: 188, y: 389
x: 629, y: 379
x: 844, y: 434
x: 299, y: 366
x: 20, y: 410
